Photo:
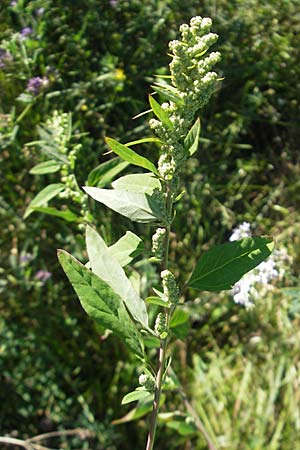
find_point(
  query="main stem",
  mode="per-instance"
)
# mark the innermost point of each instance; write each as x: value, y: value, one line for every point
x: 157, y: 393
x: 163, y: 342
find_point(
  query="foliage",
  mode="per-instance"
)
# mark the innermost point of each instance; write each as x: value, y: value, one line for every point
x: 104, y: 290
x: 255, y: 414
x: 99, y: 58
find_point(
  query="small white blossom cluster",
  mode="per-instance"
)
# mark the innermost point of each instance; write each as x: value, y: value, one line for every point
x: 193, y: 83
x: 240, y: 232
x: 251, y: 285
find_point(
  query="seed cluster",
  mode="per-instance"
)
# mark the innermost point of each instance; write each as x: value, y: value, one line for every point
x: 193, y: 83
x: 170, y: 287
x: 58, y: 127
x: 161, y: 326
x: 158, y: 243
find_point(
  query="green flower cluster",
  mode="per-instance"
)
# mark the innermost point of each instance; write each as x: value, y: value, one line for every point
x: 193, y: 83
x: 158, y: 243
x: 58, y: 127
x: 161, y: 326
x: 171, y: 290
x: 147, y: 381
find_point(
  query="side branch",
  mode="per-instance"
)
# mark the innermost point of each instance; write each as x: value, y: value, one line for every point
x: 32, y: 443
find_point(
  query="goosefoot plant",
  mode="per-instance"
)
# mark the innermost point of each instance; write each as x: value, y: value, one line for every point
x: 105, y: 291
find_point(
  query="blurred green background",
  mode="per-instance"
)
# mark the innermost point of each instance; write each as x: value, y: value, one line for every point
x: 72, y: 72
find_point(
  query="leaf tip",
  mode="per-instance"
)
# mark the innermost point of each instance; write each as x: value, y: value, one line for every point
x: 151, y: 100
x: 27, y: 212
x: 60, y: 252
x: 271, y: 246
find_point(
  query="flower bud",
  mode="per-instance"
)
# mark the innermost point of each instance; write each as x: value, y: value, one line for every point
x: 147, y: 381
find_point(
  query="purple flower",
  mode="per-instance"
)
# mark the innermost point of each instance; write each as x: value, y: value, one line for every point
x: 26, y: 32
x: 5, y: 57
x: 42, y: 276
x: 13, y: 3
x: 113, y: 3
x: 25, y: 258
x: 35, y: 85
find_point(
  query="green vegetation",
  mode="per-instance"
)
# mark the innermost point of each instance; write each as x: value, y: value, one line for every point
x: 72, y: 73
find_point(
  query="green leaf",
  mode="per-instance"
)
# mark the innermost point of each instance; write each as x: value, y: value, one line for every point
x: 179, y: 422
x: 151, y: 341
x: 187, y: 429
x: 191, y: 141
x: 14, y: 133
x: 181, y: 331
x: 101, y: 302
x: 142, y: 408
x: 103, y: 174
x: 49, y: 151
x: 135, y: 279
x: 130, y: 156
x: 169, y: 92
x: 293, y: 292
x: 50, y: 166
x: 183, y: 428
x: 109, y: 270
x: 142, y: 141
x: 25, y: 98
x: 42, y: 198
x: 52, y: 153
x: 69, y: 128
x: 67, y: 215
x: 160, y: 294
x: 126, y: 248
x: 48, y: 144
x: 221, y: 267
x: 140, y: 394
x: 159, y: 112
x: 143, y: 182
x: 157, y: 301
x: 163, y: 76
x: 179, y: 317
x: 176, y: 415
x: 136, y: 206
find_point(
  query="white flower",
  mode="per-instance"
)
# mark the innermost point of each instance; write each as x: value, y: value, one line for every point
x: 240, y: 232
x: 245, y: 291
x: 266, y: 271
